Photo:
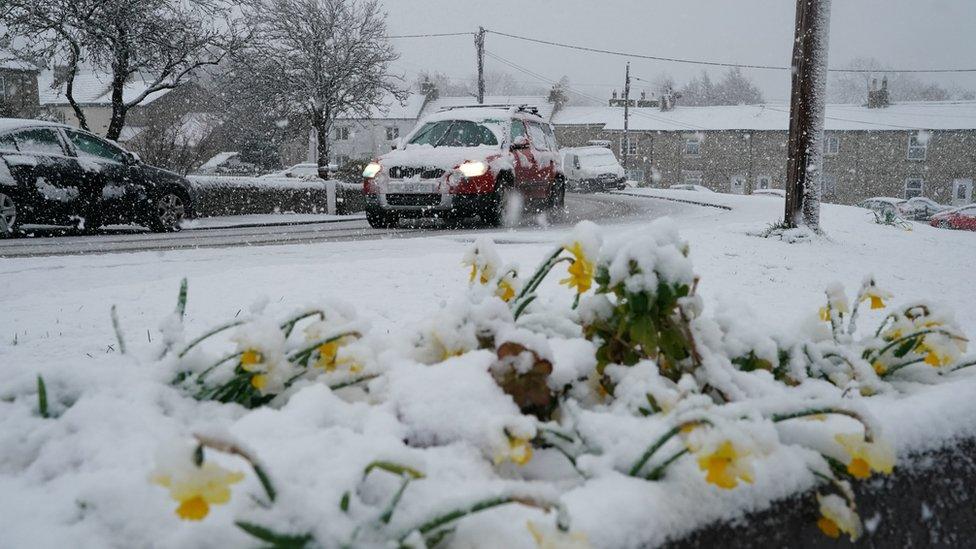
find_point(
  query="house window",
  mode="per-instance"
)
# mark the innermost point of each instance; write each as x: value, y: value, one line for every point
x: 628, y: 146
x: 3, y: 87
x: 831, y: 145
x: 341, y: 160
x: 828, y: 185
x: 392, y: 133
x: 764, y: 182
x: 342, y: 133
x: 635, y: 174
x: 913, y: 187
x: 693, y: 146
x: 691, y: 177
x: 918, y: 145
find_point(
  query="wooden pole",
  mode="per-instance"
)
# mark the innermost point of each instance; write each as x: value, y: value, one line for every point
x: 805, y: 145
x: 479, y: 44
x: 626, y: 143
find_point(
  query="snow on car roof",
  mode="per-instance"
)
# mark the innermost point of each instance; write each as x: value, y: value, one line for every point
x: 539, y: 101
x: 10, y: 124
x: 887, y: 199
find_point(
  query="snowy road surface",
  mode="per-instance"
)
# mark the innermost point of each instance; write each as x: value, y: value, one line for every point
x: 599, y: 208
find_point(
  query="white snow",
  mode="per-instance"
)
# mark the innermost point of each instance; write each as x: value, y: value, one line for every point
x: 80, y: 478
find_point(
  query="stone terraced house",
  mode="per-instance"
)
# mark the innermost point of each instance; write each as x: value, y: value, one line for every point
x: 901, y: 150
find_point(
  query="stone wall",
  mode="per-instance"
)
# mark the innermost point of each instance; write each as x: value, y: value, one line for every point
x: 867, y: 163
x: 927, y: 502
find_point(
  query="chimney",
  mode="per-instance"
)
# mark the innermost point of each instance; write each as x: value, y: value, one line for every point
x: 878, y: 98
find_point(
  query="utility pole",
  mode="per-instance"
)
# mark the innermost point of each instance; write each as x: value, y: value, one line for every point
x: 479, y: 44
x: 626, y: 142
x: 805, y: 146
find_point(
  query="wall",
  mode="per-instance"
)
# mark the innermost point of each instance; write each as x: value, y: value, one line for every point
x: 868, y: 163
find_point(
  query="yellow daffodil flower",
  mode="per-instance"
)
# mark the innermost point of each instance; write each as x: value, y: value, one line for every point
x: 259, y: 381
x: 866, y: 457
x: 327, y: 355
x: 550, y: 538
x: 879, y: 367
x: 505, y: 290
x: 725, y: 466
x: 837, y: 517
x: 250, y: 359
x: 580, y: 271
x: 519, y: 452
x: 825, y: 313
x: 197, y: 488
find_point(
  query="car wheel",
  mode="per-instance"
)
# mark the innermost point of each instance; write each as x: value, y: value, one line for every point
x: 944, y: 224
x: 168, y: 211
x: 557, y: 200
x: 8, y: 215
x: 378, y: 219
x: 504, y: 190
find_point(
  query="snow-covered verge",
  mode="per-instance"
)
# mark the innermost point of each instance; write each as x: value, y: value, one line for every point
x: 234, y: 195
x: 258, y: 220
x: 84, y: 476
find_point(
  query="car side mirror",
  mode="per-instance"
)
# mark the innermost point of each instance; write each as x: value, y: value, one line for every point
x: 520, y: 142
x: 133, y: 158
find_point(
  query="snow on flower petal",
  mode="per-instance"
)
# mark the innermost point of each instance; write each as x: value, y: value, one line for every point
x: 837, y: 517
x: 865, y: 457
x: 195, y: 487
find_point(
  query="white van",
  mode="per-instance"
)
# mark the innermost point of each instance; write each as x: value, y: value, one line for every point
x: 592, y: 169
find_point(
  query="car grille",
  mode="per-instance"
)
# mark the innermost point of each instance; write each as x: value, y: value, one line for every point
x: 406, y: 172
x: 419, y: 199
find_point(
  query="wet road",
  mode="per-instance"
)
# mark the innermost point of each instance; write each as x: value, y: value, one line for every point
x: 601, y: 208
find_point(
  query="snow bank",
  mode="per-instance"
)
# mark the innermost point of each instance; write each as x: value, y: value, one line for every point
x: 446, y: 405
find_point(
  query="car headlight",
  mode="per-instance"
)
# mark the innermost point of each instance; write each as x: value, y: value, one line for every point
x: 473, y: 169
x: 371, y: 170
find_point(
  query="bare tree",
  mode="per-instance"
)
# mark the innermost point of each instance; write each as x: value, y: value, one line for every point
x: 163, y: 42
x: 320, y: 58
x: 848, y: 87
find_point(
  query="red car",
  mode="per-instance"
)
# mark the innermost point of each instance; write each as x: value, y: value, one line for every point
x: 960, y: 218
x: 467, y: 162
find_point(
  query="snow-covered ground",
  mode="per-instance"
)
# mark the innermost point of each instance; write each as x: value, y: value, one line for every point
x: 82, y: 479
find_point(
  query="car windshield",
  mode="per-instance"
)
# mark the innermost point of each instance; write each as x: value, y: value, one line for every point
x: 598, y: 158
x: 454, y: 133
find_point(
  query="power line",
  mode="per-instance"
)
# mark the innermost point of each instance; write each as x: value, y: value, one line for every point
x: 712, y: 63
x: 586, y: 95
x: 437, y: 35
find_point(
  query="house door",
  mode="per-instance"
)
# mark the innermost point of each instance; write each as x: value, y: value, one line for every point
x: 962, y: 192
x: 738, y: 184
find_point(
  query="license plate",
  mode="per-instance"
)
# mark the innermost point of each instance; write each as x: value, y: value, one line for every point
x: 411, y: 187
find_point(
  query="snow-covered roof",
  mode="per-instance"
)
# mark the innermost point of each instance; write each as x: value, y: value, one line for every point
x: 545, y: 108
x: 9, y: 124
x: 392, y: 109
x: 932, y: 115
x: 91, y: 88
x: 13, y: 64
x: 218, y: 159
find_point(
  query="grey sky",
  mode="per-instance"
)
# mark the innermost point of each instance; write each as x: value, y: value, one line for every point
x: 905, y: 33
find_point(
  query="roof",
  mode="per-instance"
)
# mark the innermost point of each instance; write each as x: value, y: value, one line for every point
x: 545, y: 108
x: 91, y: 88
x: 392, y: 109
x: 931, y: 115
x: 13, y: 64
x: 218, y: 159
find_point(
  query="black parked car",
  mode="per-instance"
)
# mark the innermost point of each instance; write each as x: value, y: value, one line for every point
x: 55, y: 174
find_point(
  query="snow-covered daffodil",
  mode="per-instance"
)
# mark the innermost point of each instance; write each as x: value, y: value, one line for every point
x: 876, y: 296
x: 865, y: 457
x: 505, y: 291
x: 580, y: 270
x: 252, y: 360
x: 725, y: 466
x: 836, y: 517
x: 195, y: 487
x: 483, y: 260
x: 547, y: 537
x: 519, y: 451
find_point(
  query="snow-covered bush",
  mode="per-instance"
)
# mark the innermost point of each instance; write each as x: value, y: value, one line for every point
x: 544, y: 401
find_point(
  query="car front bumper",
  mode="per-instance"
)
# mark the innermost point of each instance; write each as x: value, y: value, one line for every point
x: 430, y: 204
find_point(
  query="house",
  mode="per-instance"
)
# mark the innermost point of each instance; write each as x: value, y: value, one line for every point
x: 93, y: 93
x: 365, y: 138
x: 18, y: 88
x: 900, y: 150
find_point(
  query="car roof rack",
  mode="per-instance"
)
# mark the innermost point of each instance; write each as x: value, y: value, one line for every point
x: 531, y: 109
